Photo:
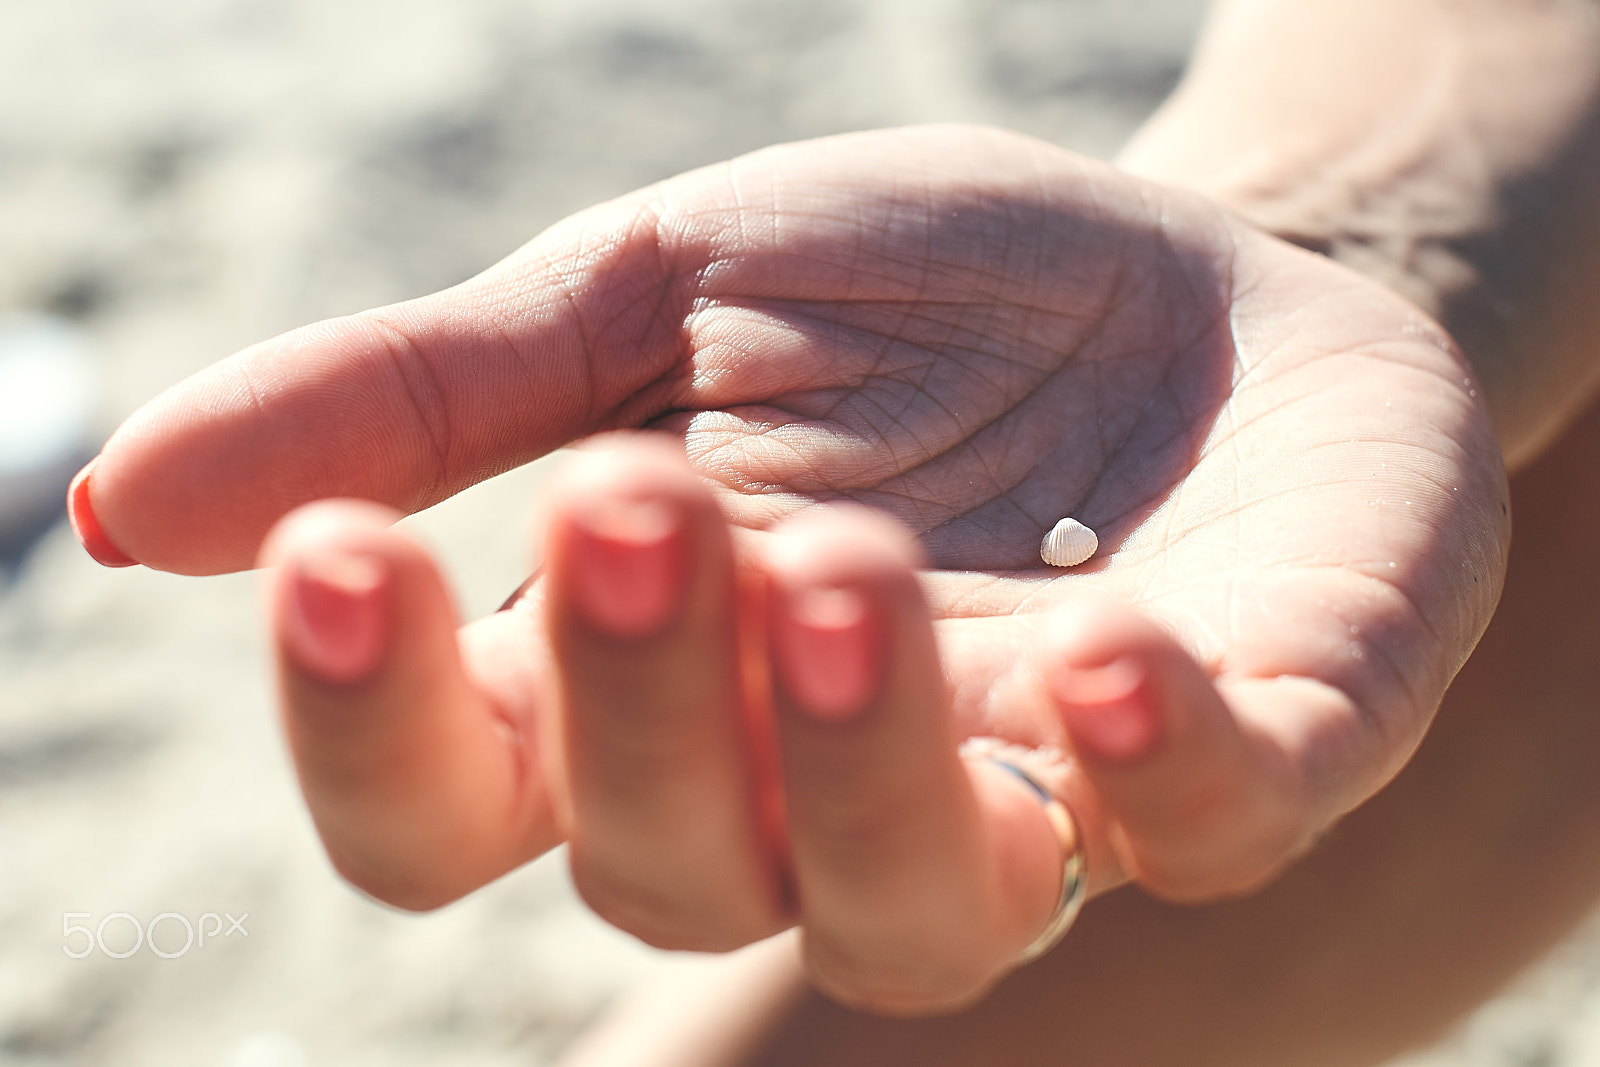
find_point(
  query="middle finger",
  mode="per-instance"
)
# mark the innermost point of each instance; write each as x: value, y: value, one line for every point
x: 665, y: 813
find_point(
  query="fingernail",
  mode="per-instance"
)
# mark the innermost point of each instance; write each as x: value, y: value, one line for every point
x: 1110, y: 712
x: 628, y: 566
x: 81, y: 514
x: 827, y: 649
x: 335, y: 624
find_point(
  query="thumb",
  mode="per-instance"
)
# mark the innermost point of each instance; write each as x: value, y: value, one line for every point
x: 405, y: 405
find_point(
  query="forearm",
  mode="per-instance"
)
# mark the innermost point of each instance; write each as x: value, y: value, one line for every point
x: 1449, y: 148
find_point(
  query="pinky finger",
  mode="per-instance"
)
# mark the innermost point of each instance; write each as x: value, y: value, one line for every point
x: 1193, y: 797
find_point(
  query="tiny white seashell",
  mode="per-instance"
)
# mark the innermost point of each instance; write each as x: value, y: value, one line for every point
x: 1068, y: 544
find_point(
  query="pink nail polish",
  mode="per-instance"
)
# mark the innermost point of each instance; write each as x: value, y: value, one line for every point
x: 84, y: 523
x: 629, y: 566
x: 335, y: 619
x: 1110, y: 712
x: 828, y: 651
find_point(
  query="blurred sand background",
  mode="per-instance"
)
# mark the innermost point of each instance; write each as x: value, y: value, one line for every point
x: 183, y: 177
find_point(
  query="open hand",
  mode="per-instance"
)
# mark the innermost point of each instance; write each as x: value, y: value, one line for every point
x: 742, y: 707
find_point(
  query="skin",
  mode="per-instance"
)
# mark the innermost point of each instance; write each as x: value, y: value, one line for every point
x: 1298, y: 493
x: 1476, y: 860
x: 1446, y: 149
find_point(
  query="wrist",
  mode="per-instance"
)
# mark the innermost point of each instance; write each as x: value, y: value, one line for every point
x: 1454, y: 169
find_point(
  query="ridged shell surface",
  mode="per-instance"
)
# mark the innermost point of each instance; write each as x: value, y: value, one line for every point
x: 1068, y: 544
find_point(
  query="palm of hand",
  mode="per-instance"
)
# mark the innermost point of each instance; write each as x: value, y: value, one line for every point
x: 1284, y: 465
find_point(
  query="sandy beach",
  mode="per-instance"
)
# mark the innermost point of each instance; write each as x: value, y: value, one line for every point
x: 181, y: 178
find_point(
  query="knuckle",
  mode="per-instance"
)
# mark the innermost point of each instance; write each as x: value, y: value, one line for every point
x: 905, y: 988
x: 1211, y: 886
x: 392, y: 884
x: 856, y: 823
x: 418, y: 390
x: 669, y: 920
x: 1228, y: 835
x: 1237, y: 849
